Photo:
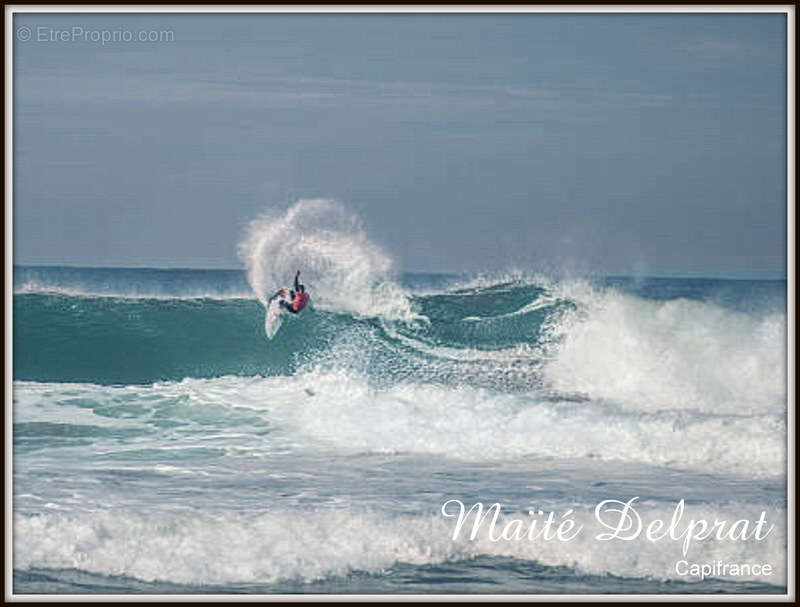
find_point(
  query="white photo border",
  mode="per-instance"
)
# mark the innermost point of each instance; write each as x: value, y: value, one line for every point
x: 787, y: 9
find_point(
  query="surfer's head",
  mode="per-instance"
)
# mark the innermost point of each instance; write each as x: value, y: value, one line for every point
x: 301, y: 288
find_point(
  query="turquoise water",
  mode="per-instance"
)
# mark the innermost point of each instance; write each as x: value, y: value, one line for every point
x: 163, y: 445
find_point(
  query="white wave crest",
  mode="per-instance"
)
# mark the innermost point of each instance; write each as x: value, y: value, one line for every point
x: 129, y: 293
x: 203, y: 548
x: 666, y: 355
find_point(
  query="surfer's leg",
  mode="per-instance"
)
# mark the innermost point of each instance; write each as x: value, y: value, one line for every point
x: 287, y: 306
x: 278, y: 293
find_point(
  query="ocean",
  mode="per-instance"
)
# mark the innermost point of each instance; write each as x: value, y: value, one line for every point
x: 162, y: 445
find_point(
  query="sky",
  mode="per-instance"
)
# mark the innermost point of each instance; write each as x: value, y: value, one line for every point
x: 616, y: 144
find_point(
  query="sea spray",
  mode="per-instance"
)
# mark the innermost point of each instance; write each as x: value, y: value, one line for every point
x: 343, y: 270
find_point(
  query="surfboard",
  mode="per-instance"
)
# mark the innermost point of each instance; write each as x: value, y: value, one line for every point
x: 274, y: 317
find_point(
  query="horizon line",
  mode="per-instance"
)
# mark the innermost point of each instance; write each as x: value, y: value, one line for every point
x: 610, y: 275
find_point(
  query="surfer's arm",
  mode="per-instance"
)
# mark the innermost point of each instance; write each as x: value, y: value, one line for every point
x: 296, y: 282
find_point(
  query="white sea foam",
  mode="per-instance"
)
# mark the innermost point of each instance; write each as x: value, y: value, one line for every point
x: 677, y: 354
x: 204, y: 548
x: 474, y: 423
x: 341, y: 410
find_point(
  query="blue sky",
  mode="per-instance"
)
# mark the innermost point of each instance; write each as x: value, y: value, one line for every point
x: 590, y: 143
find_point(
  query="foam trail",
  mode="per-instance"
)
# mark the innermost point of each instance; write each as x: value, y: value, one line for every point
x: 343, y: 270
x: 543, y: 302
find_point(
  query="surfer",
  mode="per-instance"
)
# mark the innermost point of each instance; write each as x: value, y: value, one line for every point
x: 298, y: 298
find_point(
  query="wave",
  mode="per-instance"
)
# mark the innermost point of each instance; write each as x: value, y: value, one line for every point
x: 342, y: 412
x: 33, y: 288
x: 564, y: 369
x: 668, y: 354
x: 474, y: 423
x: 131, y: 283
x: 110, y: 341
x: 598, y: 343
x: 203, y: 548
